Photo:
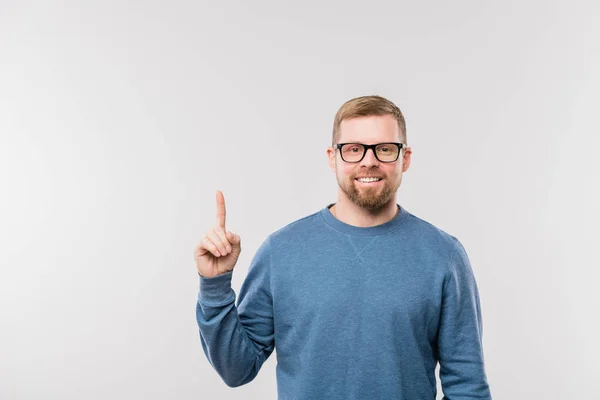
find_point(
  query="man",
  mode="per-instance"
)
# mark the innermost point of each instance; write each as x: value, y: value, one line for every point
x: 362, y: 298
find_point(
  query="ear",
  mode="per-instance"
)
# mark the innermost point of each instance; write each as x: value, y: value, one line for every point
x: 331, y: 157
x: 406, y: 158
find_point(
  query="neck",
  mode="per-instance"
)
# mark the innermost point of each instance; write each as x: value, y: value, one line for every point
x: 352, y: 214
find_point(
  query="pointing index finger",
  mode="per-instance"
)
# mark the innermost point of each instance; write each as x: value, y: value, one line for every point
x: 220, y: 209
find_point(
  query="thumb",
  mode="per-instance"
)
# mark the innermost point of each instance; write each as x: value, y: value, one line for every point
x: 234, y: 239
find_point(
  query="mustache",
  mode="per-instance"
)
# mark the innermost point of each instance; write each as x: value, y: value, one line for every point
x: 368, y: 175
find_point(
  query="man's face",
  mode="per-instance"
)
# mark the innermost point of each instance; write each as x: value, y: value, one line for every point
x: 369, y: 130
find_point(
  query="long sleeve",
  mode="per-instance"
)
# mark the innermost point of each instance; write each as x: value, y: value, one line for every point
x: 460, y: 347
x: 238, y: 340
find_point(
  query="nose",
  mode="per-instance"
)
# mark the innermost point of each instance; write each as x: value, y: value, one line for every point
x: 369, y: 158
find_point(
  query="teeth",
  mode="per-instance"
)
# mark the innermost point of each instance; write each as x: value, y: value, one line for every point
x: 368, y: 179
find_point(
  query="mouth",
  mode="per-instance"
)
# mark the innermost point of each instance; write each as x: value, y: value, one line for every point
x: 369, y: 181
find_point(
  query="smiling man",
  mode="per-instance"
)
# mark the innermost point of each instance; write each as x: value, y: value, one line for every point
x: 368, y: 180
x: 362, y: 299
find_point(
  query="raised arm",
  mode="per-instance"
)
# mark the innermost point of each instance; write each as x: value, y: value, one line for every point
x: 235, y: 340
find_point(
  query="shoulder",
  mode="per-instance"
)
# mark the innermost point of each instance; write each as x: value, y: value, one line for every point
x: 446, y: 246
x: 296, y: 230
x: 432, y: 233
x: 435, y: 240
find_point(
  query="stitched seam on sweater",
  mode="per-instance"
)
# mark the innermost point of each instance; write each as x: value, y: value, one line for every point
x: 355, y: 250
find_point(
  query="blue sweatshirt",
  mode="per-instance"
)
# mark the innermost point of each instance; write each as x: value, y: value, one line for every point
x: 355, y: 313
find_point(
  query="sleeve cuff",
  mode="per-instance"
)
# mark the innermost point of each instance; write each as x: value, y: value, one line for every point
x: 216, y: 289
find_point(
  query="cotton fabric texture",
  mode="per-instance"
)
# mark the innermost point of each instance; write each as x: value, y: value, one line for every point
x: 355, y: 313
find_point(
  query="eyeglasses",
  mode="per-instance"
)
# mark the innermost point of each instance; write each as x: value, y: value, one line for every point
x: 384, y: 152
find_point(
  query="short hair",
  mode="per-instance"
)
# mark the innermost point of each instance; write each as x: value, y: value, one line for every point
x: 365, y: 106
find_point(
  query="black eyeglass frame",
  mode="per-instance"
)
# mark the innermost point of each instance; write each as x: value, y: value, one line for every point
x: 373, y: 147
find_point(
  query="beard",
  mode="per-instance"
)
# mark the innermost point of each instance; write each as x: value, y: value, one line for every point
x: 366, y: 197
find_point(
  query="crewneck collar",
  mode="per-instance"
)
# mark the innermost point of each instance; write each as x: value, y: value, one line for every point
x: 381, y: 229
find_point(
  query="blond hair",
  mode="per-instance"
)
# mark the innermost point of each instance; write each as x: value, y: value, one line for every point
x: 365, y: 106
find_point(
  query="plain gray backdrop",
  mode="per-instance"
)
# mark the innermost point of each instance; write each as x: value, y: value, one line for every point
x: 120, y: 119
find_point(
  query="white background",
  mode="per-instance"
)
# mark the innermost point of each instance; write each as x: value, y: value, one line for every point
x: 119, y: 121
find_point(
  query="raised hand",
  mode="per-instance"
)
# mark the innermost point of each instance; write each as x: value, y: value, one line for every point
x: 219, y: 249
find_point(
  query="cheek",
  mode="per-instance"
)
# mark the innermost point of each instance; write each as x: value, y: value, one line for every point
x: 346, y: 171
x: 393, y: 174
x: 343, y: 169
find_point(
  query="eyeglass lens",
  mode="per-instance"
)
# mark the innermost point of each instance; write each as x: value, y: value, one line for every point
x: 354, y: 152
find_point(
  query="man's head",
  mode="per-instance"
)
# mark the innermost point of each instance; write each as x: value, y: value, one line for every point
x: 369, y: 120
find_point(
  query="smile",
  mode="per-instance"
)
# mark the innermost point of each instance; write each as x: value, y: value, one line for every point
x: 368, y: 180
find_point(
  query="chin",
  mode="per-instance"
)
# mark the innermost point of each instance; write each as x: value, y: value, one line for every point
x: 371, y: 200
x: 368, y: 198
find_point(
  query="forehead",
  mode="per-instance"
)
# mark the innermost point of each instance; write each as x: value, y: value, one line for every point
x: 370, y: 129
